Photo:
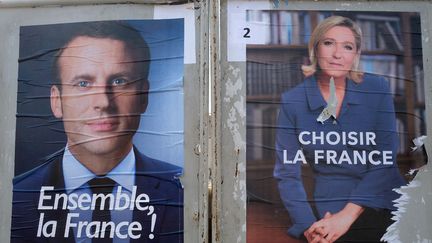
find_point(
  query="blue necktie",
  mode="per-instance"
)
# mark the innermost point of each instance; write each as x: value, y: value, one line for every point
x: 102, y: 185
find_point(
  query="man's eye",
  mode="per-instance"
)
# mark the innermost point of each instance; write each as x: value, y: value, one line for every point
x: 118, y: 81
x: 83, y: 84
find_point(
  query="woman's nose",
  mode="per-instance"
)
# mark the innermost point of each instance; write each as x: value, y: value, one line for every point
x: 337, y: 51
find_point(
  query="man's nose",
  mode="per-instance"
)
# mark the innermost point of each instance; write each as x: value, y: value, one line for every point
x: 101, y: 97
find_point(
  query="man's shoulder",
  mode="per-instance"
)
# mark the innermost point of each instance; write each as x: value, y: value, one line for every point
x: 161, y: 180
x: 156, y: 167
x: 159, y: 173
x: 41, y: 174
x: 158, y: 164
x: 26, y: 192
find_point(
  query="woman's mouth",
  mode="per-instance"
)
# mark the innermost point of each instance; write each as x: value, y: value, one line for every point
x: 336, y: 64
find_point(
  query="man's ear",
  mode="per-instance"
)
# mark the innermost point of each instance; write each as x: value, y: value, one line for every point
x: 144, y: 96
x: 55, y: 100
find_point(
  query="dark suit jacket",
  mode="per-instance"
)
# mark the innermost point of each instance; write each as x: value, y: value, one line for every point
x: 157, y: 179
x: 367, y: 107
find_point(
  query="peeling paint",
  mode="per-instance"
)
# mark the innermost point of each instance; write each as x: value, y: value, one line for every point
x: 235, y: 104
x: 240, y: 188
x: 237, y: 109
x: 392, y: 232
x: 418, y: 142
x: 232, y: 88
x: 239, y: 238
x: 196, y: 216
x: 234, y: 129
x: 412, y: 171
x: 414, y: 225
x: 241, y: 109
x: 197, y: 149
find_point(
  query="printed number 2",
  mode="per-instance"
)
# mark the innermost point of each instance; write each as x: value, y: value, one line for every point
x: 246, y: 35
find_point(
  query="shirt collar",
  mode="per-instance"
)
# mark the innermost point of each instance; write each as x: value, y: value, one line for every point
x: 76, y: 174
x: 316, y: 100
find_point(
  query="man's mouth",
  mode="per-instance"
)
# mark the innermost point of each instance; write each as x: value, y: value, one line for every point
x: 103, y: 125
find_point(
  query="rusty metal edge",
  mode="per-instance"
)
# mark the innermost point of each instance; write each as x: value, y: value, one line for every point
x: 216, y: 127
x: 203, y: 171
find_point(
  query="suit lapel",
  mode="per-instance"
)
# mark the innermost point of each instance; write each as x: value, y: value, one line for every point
x: 148, y: 183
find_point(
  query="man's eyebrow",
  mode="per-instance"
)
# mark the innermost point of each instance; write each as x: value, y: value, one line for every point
x: 131, y: 76
x: 81, y: 77
x: 121, y: 74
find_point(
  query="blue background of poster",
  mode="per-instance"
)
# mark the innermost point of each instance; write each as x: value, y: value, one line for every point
x: 161, y: 129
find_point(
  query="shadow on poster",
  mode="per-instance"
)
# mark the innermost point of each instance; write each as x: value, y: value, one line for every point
x: 99, y: 135
x: 329, y: 133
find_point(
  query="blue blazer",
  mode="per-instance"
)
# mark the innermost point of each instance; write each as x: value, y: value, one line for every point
x: 367, y: 107
x: 159, y: 180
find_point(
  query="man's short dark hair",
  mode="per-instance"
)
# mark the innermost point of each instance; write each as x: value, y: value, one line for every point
x: 135, y: 45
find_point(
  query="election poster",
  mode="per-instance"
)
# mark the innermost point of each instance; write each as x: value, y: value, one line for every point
x: 335, y: 122
x: 99, y: 132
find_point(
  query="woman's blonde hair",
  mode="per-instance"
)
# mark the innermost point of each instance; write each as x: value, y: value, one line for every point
x: 317, y: 35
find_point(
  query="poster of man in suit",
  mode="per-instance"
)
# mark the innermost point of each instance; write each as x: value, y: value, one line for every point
x: 90, y: 97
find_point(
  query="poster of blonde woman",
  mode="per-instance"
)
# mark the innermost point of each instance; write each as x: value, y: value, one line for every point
x: 334, y: 100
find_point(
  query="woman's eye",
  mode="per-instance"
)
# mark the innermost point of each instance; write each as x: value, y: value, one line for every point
x: 83, y: 84
x: 118, y: 81
x: 328, y: 43
x: 349, y: 47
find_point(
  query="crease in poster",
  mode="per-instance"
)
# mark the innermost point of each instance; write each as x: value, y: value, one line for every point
x: 99, y: 145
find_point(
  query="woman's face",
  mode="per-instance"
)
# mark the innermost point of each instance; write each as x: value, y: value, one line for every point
x: 337, y: 52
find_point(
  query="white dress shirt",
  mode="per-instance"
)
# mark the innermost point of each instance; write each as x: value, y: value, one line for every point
x: 76, y: 177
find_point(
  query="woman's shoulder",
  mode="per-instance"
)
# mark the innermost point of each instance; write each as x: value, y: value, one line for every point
x: 295, y: 93
x: 374, y: 82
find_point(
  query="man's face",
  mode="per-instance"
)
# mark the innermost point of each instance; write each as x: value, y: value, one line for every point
x: 99, y: 101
